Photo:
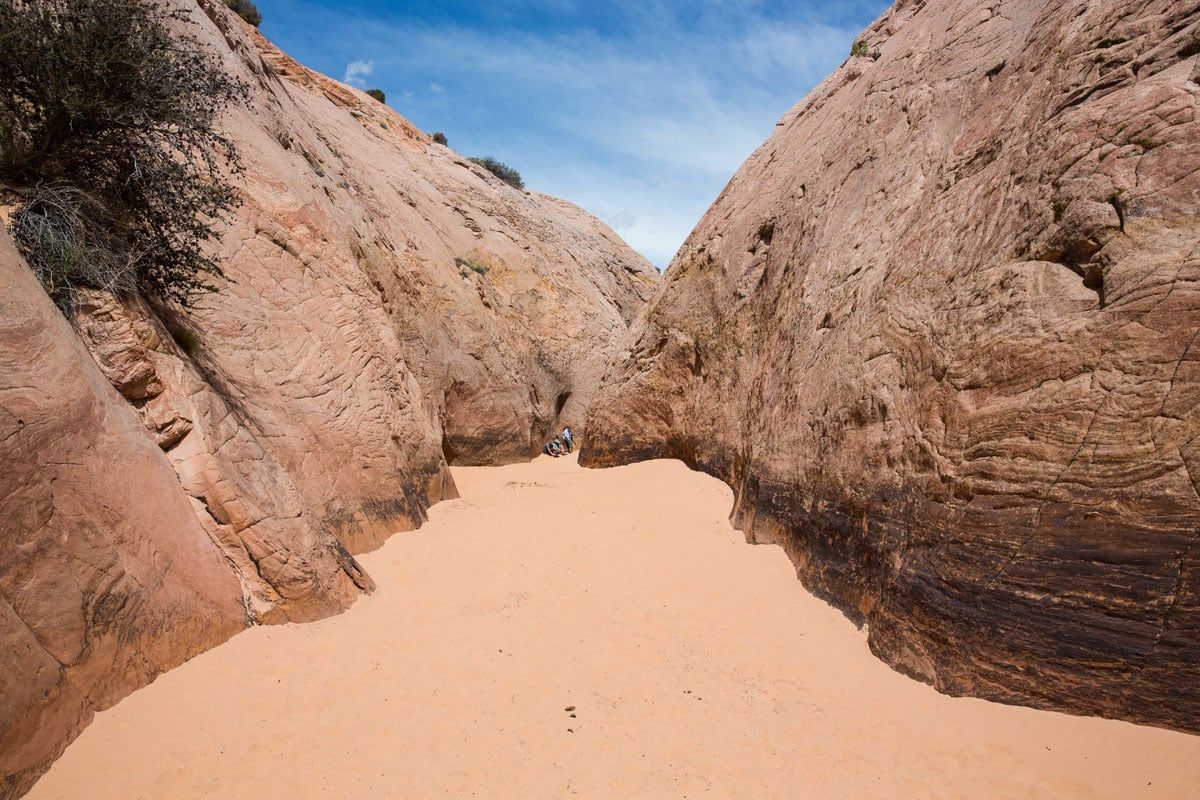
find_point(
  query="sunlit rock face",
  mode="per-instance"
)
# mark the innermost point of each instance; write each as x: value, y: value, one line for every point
x: 171, y: 476
x: 107, y: 576
x: 939, y: 334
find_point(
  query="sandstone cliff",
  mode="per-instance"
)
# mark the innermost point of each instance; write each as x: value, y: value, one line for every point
x: 939, y: 335
x: 387, y: 306
x: 106, y: 575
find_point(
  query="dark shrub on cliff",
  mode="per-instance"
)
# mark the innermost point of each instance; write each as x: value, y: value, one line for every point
x: 246, y: 10
x: 501, y: 171
x: 377, y: 94
x: 107, y: 139
x: 440, y: 138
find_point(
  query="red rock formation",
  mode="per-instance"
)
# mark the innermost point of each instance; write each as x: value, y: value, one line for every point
x: 939, y: 334
x: 506, y: 304
x: 106, y: 576
x: 387, y: 305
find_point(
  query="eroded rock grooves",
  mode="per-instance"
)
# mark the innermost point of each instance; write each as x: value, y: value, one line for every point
x: 939, y: 334
x: 387, y: 306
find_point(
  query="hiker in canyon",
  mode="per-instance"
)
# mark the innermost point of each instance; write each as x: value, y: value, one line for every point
x: 343, y: 415
x: 934, y: 344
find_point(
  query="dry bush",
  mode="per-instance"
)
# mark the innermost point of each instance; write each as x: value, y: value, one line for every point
x: 246, y: 10
x: 108, y: 137
x: 501, y: 171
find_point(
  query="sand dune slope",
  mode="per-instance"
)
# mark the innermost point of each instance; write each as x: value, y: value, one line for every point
x: 697, y: 666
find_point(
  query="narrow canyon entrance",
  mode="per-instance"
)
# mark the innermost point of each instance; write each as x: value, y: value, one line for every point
x: 561, y: 632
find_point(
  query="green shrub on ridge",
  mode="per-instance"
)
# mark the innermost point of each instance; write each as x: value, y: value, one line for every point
x: 246, y: 10
x: 501, y: 171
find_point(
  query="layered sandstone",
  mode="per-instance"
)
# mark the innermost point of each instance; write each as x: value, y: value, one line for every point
x: 387, y: 307
x: 107, y: 576
x: 505, y: 303
x: 939, y: 335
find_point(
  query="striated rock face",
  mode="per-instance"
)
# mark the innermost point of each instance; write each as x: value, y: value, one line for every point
x: 503, y: 305
x: 387, y: 307
x: 106, y: 575
x: 940, y: 335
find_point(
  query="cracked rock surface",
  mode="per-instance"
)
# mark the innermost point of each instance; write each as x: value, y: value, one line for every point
x: 106, y: 575
x: 939, y: 334
x: 387, y: 308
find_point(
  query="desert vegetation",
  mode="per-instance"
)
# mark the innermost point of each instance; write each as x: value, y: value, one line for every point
x: 440, y: 138
x: 377, y: 94
x: 187, y: 339
x: 246, y: 10
x: 470, y: 264
x: 108, y: 145
x: 501, y: 171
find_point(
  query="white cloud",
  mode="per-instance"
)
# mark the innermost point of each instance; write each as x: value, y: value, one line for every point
x: 646, y: 136
x: 618, y: 220
x: 643, y: 126
x: 357, y: 72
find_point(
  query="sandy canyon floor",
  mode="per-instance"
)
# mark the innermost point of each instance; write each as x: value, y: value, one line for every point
x: 562, y: 632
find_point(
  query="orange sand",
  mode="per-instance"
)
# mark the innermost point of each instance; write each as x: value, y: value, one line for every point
x: 697, y: 665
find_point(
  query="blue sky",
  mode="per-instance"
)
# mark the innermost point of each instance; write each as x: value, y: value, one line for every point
x: 638, y: 111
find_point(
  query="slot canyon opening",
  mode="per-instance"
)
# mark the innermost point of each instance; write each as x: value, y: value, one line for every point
x: 560, y: 403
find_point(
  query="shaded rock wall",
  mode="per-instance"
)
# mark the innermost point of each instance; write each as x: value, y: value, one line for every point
x: 939, y: 333
x: 387, y: 306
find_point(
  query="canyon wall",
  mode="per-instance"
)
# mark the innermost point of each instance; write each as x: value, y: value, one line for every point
x: 107, y: 577
x: 939, y: 333
x: 173, y: 475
